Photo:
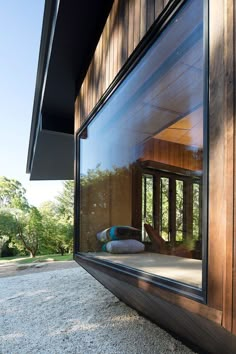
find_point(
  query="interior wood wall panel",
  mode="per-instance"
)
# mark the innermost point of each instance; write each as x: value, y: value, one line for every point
x: 170, y: 153
x: 128, y: 22
x: 101, y: 206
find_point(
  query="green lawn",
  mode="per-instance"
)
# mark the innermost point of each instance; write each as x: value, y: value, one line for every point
x: 49, y: 257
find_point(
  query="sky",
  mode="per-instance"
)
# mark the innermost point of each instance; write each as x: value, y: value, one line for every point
x: 20, y: 32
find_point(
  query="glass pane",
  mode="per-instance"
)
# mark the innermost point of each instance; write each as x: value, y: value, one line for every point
x: 179, y: 210
x: 147, y: 204
x: 196, y: 212
x: 164, y: 215
x: 152, y: 122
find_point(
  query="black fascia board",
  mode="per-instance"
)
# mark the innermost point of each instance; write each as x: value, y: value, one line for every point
x: 50, y: 9
x: 70, y: 33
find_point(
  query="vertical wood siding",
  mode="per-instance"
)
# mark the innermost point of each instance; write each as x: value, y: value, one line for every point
x: 126, y: 25
x: 128, y: 22
x: 229, y: 162
x: 234, y: 174
x: 221, y: 264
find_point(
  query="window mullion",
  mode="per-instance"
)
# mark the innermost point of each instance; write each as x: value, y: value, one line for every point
x: 172, y: 210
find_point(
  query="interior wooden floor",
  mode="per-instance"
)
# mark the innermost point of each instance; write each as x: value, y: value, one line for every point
x: 184, y: 270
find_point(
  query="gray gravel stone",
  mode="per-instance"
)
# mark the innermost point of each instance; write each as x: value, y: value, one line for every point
x: 67, y: 311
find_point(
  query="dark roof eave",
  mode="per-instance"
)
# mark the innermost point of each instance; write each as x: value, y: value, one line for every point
x: 69, y: 37
x: 49, y: 13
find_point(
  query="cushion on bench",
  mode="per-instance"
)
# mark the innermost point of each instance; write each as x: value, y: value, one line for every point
x: 124, y: 246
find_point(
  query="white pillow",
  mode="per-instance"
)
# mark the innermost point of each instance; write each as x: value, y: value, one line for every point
x: 125, y: 246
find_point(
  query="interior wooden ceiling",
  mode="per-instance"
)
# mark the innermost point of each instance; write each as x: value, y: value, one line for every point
x: 163, y: 88
x: 187, y: 131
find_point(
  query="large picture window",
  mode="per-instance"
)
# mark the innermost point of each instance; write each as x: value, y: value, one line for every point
x: 141, y: 158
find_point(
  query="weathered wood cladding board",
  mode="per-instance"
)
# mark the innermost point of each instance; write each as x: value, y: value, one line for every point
x: 229, y: 110
x: 234, y: 240
x: 114, y: 48
x: 216, y: 157
x: 190, y: 326
x: 128, y: 22
x: 221, y: 160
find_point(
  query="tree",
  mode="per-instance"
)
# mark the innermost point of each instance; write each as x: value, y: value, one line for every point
x: 66, y: 201
x: 49, y: 229
x: 12, y: 194
x: 58, y: 230
x: 7, y: 227
x: 29, y: 230
x: 66, y: 215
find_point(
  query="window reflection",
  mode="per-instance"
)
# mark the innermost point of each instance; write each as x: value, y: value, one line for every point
x: 141, y: 162
x: 147, y: 204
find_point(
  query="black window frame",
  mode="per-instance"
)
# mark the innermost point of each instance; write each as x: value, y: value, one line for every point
x: 188, y: 181
x: 159, y: 25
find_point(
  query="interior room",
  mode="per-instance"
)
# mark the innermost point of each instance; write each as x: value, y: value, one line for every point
x: 142, y: 161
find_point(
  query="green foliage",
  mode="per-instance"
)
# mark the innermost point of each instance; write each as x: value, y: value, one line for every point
x: 31, y: 230
x: 12, y: 194
x: 164, y: 217
x: 7, y: 228
x: 179, y: 210
x: 167, y: 204
x: 147, y: 203
x: 43, y: 258
x: 66, y: 201
x: 196, y: 210
x: 7, y: 223
x: 58, y: 228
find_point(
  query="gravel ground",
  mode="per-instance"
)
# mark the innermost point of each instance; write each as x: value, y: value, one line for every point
x: 67, y: 311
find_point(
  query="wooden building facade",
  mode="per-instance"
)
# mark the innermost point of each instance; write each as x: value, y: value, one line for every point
x: 157, y: 73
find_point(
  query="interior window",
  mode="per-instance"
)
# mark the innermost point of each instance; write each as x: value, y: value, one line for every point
x: 141, y: 161
x: 147, y: 204
x: 164, y: 208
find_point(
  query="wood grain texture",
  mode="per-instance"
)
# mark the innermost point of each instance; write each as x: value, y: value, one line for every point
x: 77, y: 114
x: 217, y: 205
x: 150, y: 9
x: 137, y: 10
x: 221, y: 267
x: 143, y: 18
x: 191, y: 327
x: 234, y: 245
x: 173, y: 154
x: 229, y: 162
x: 101, y: 205
x: 112, y: 52
x: 131, y: 27
x: 126, y: 25
x: 181, y: 301
x: 159, y: 5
